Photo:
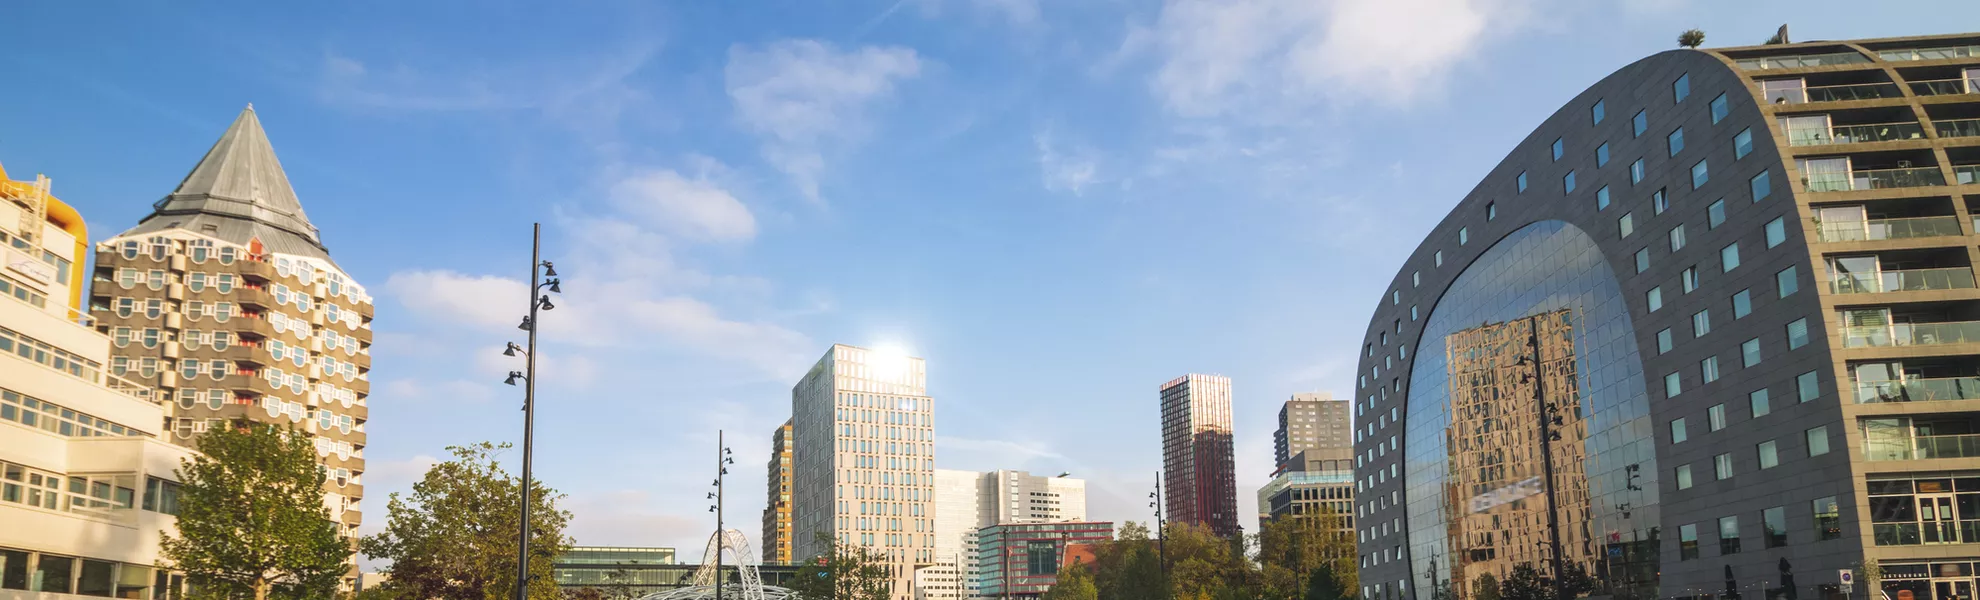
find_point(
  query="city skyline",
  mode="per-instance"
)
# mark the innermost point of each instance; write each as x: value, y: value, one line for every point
x: 712, y: 246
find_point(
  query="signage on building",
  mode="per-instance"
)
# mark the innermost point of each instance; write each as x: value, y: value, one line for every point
x: 34, y: 269
x: 1507, y: 495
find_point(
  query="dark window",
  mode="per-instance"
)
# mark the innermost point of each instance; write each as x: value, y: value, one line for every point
x: 13, y: 570
x: 1728, y: 535
x: 1640, y: 123
x: 54, y: 573
x: 1719, y: 109
x: 1041, y: 558
x: 1599, y: 112
x: 1828, y: 519
x: 1774, y: 521
x: 1687, y: 542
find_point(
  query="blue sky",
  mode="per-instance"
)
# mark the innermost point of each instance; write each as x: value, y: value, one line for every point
x: 1060, y: 204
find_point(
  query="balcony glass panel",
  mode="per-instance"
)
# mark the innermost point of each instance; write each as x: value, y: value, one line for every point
x: 1886, y: 229
x: 1802, y: 60
x: 1937, y: 532
x: 1855, y: 134
x: 1844, y: 93
x: 1957, y: 128
x: 1873, y: 179
x: 1946, y: 446
x: 1911, y: 334
x: 1967, y: 174
x: 1945, y: 87
x: 1930, y: 53
x: 1911, y: 280
x: 1918, y: 390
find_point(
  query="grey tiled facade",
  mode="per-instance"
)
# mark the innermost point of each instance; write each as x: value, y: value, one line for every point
x: 1833, y: 428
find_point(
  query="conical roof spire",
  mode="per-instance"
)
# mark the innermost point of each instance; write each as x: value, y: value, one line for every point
x: 239, y: 191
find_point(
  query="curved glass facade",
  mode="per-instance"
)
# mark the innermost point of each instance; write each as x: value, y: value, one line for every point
x: 1530, y: 439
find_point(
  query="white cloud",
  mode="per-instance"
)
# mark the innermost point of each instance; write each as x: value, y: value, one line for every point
x: 475, y: 300
x: 768, y: 346
x: 993, y: 451
x: 1016, y: 12
x: 633, y: 518
x: 412, y: 390
x: 1240, y: 57
x: 693, y: 208
x: 1063, y: 170
x: 805, y: 96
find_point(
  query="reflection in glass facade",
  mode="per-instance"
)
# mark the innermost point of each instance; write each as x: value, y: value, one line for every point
x: 1530, y: 436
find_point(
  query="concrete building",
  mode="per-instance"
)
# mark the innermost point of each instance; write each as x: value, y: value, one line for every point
x: 865, y: 459
x: 1717, y: 328
x: 777, y: 509
x: 1199, y: 478
x: 87, y: 480
x: 1021, y: 560
x: 225, y: 300
x: 1313, y: 421
x: 967, y: 501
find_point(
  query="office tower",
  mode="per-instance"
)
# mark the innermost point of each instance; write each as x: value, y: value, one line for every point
x: 967, y: 501
x: 1317, y: 477
x: 1313, y: 421
x: 865, y: 459
x: 1709, y: 325
x: 225, y: 299
x: 777, y: 510
x: 1199, y: 477
x: 87, y: 481
x: 1021, y: 560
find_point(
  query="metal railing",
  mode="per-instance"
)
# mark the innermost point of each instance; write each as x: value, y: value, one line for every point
x: 1922, y: 447
x: 129, y: 388
x: 1908, y: 280
x: 1855, y: 134
x: 1834, y: 93
x: 1911, y: 334
x: 1802, y: 60
x: 1886, y: 229
x: 1873, y: 179
x: 1945, y: 87
x: 1954, y: 128
x: 1930, y: 53
x: 1936, y: 532
x: 1918, y: 390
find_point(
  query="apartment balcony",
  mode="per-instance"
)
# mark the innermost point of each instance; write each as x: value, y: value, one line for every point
x: 1910, y: 54
x: 1874, y: 179
x: 1937, y: 389
x: 1907, y: 280
x: 1966, y: 174
x: 1887, y: 229
x: 1957, y: 128
x: 1855, y: 134
x: 1835, y: 93
x: 1945, y: 87
x: 1924, y: 447
x: 1911, y: 334
x: 1801, y: 60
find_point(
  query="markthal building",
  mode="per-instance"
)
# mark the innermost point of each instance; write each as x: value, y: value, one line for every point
x: 1710, y: 331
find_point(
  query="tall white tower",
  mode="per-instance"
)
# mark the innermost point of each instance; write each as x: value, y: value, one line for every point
x: 865, y: 459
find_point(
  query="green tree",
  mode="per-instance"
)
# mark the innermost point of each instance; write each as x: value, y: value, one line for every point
x: 1128, y: 567
x: 1486, y: 587
x: 454, y: 537
x: 1291, y: 550
x: 1322, y: 585
x: 1524, y: 583
x: 251, y: 518
x: 1691, y: 38
x: 1075, y: 582
x: 842, y: 572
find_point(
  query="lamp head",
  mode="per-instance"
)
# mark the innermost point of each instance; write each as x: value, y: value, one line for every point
x: 513, y: 376
x: 549, y: 270
x: 526, y: 325
x: 545, y: 303
x: 511, y: 350
x: 556, y: 286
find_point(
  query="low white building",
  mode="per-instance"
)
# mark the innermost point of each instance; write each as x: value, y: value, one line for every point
x: 86, y: 483
x: 967, y: 501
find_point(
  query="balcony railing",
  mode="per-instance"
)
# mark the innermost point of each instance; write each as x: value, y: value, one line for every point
x: 1930, y: 53
x: 1924, y: 447
x: 1855, y: 134
x: 1955, y: 128
x: 1966, y: 174
x: 1945, y: 87
x: 1886, y: 229
x: 1802, y: 60
x: 1834, y: 93
x: 1874, y: 179
x: 1918, y: 390
x: 1910, y: 280
x: 1911, y: 334
x: 1936, y: 532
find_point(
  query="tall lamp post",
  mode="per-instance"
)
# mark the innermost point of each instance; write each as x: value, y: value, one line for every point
x: 538, y: 301
x: 723, y: 458
x: 1161, y: 533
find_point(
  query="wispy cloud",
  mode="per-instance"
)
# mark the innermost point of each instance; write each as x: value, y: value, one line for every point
x: 807, y: 98
x: 1065, y: 169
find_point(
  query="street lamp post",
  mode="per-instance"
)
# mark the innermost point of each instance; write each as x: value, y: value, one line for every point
x: 1161, y: 533
x: 723, y: 458
x: 538, y: 301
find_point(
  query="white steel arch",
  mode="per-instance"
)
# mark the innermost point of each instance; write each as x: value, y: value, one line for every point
x: 702, y: 585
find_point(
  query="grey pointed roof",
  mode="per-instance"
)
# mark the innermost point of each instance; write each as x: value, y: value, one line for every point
x: 238, y: 192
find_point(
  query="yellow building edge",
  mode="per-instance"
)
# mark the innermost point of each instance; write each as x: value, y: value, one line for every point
x: 66, y: 217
